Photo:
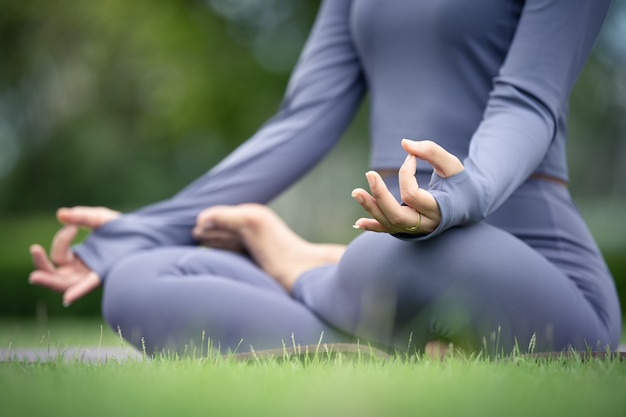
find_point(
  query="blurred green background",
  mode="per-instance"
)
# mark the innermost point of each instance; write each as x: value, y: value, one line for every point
x: 121, y: 103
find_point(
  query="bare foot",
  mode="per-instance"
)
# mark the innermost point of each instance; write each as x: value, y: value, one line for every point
x: 277, y: 249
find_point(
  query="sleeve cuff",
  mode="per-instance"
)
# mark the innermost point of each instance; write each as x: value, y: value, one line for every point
x: 461, y: 200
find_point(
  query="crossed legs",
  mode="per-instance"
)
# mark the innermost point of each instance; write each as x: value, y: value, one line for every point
x: 477, y: 287
x: 183, y: 298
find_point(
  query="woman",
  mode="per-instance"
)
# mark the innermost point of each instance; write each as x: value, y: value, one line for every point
x: 487, y: 253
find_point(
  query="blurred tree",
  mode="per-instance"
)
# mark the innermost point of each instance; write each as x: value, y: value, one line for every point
x: 597, y: 121
x: 122, y: 103
x: 119, y: 102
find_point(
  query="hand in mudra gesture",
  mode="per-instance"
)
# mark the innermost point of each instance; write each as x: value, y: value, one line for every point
x: 420, y: 213
x: 63, y: 271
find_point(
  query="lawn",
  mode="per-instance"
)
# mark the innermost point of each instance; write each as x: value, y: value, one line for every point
x: 322, y: 386
x: 216, y: 387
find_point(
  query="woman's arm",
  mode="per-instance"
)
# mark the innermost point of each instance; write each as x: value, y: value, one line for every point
x: 527, y: 105
x: 552, y: 43
x: 323, y: 94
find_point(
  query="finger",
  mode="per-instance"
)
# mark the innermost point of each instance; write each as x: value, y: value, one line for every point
x: 49, y: 280
x: 408, y: 182
x: 444, y: 163
x: 90, y: 217
x: 394, y: 213
x: 369, y: 204
x: 82, y: 287
x: 410, y: 192
x: 60, y: 252
x: 40, y: 259
x: 370, y: 225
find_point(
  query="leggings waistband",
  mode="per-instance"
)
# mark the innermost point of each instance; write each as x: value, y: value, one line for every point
x: 550, y: 178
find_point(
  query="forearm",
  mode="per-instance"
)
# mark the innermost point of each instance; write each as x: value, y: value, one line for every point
x: 255, y: 173
x: 523, y: 125
x: 322, y: 96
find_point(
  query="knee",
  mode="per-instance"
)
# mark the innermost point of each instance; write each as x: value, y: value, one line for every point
x: 114, y: 299
x: 121, y: 296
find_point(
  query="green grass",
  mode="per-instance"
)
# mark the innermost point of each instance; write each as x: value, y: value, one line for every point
x: 186, y: 387
x: 320, y: 387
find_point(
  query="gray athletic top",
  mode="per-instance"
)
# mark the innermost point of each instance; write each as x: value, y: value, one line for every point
x: 488, y: 80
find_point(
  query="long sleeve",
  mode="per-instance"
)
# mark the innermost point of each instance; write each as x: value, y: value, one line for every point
x: 523, y: 124
x: 322, y: 96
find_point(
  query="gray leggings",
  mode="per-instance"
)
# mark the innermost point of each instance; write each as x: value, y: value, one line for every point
x: 480, y: 287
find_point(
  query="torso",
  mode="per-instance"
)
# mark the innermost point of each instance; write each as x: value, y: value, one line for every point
x: 429, y: 66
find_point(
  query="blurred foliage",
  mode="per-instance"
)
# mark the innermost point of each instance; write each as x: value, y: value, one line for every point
x: 597, y: 120
x: 122, y: 103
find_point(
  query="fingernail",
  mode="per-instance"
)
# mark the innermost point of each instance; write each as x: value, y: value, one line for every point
x: 356, y: 226
x: 66, y: 304
x: 410, y: 142
x: 357, y: 197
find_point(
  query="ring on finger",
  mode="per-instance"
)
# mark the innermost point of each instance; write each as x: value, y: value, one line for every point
x: 417, y: 224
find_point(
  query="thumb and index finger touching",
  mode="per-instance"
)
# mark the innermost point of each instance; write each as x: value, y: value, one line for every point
x: 443, y: 162
x: 72, y: 219
x: 63, y: 271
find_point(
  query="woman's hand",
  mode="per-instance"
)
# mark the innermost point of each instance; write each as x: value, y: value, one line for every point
x: 63, y: 271
x: 420, y: 213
